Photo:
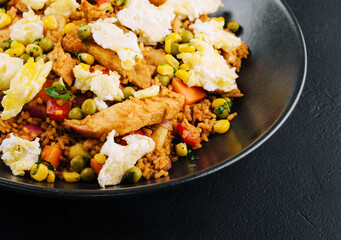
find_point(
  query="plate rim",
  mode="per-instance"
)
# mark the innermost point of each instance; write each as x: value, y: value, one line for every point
x: 26, y: 188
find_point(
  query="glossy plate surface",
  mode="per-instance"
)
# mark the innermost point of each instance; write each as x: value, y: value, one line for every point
x: 272, y: 80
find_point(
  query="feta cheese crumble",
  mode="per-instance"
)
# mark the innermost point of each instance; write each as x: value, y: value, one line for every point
x: 62, y: 7
x: 152, y: 23
x: 9, y: 66
x: 122, y: 158
x: 108, y: 35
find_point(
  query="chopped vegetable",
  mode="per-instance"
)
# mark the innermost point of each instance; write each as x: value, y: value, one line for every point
x: 78, y: 150
x: 89, y: 107
x: 39, y: 172
x: 52, y: 154
x: 186, y: 36
x: 77, y: 163
x: 76, y: 113
x: 71, y: 177
x: 58, y: 112
x: 46, y: 44
x: 58, y: 91
x: 222, y: 126
x: 181, y: 149
x: 96, y: 166
x: 189, y: 137
x: 134, y: 175
x: 84, y: 32
x: 192, y: 94
x: 88, y: 174
x: 233, y: 26
x: 5, y: 20
x: 33, y: 50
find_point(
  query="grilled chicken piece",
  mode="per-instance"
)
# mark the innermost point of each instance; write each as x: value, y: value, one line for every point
x: 140, y: 75
x: 92, y: 12
x: 154, y: 56
x: 15, y: 15
x: 62, y: 63
x: 129, y: 115
x: 57, y: 34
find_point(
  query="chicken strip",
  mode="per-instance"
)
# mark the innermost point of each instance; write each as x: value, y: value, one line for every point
x: 154, y: 56
x: 140, y: 75
x: 129, y: 115
x: 63, y: 63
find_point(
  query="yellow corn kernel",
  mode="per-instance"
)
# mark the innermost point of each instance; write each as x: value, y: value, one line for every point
x: 85, y: 66
x: 100, y: 158
x: 165, y: 69
x: 34, y: 50
x: 220, y: 19
x: 68, y: 27
x: 221, y: 126
x: 51, y: 177
x: 5, y: 20
x: 218, y: 102
x: 10, y: 52
x: 50, y: 22
x: 18, y: 48
x: 187, y: 47
x: 185, y: 66
x: 107, y: 7
x: 39, y: 172
x: 2, y: 10
x: 174, y: 37
x: 168, y: 46
x: 181, y: 149
x: 183, y: 75
x: 172, y: 61
x: 71, y: 177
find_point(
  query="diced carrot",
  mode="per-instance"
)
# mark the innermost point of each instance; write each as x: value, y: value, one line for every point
x: 95, y: 166
x: 52, y: 154
x: 192, y: 94
x: 42, y: 94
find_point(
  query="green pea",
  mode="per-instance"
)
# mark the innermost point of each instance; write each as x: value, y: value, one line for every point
x: 222, y: 111
x: 186, y: 36
x: 175, y: 48
x: 127, y: 92
x: 88, y: 174
x: 77, y: 163
x: 84, y: 32
x: 89, y: 107
x: 43, y: 56
x: 134, y: 174
x: 164, y: 79
x: 46, y: 44
x: 25, y: 57
x: 6, y: 44
x: 233, y: 26
x: 86, y: 58
x: 76, y: 113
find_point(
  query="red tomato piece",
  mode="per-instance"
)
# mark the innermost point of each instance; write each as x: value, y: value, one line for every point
x: 58, y: 112
x: 189, y: 137
x: 124, y: 142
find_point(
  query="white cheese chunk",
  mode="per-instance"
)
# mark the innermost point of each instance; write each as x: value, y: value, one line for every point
x: 122, y: 158
x: 213, y: 33
x: 9, y: 66
x: 62, y: 7
x: 19, y: 154
x: 28, y: 29
x: 152, y: 23
x: 108, y: 35
x: 208, y: 68
x: 193, y: 8
x: 147, y: 92
x: 35, y: 4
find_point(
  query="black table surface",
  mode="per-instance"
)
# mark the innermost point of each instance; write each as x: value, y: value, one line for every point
x: 289, y: 188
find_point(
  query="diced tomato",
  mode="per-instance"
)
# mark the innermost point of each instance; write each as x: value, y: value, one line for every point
x: 58, y: 110
x: 100, y: 2
x: 99, y: 68
x: 189, y: 137
x: 42, y: 93
x: 96, y: 166
x: 124, y: 142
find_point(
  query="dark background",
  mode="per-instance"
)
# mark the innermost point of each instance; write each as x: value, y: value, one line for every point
x: 289, y: 188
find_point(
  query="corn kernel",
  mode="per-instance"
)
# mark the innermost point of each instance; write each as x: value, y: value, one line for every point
x: 168, y: 46
x: 222, y: 126
x: 85, y: 66
x: 34, y: 50
x: 51, y: 177
x: 181, y: 149
x: 10, y: 52
x: 220, y: 19
x: 71, y: 177
x: 183, y: 75
x: 100, y: 158
x: 185, y: 66
x: 172, y: 61
x: 18, y: 48
x: 174, y: 37
x: 5, y: 20
x: 218, y: 102
x: 117, y: 2
x: 187, y: 47
x: 68, y: 27
x: 39, y: 172
x: 2, y: 10
x: 50, y: 22
x: 165, y: 69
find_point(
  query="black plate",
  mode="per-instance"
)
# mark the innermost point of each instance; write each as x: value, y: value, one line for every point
x: 272, y: 80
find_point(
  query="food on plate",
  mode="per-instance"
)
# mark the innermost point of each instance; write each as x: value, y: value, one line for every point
x: 113, y: 91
